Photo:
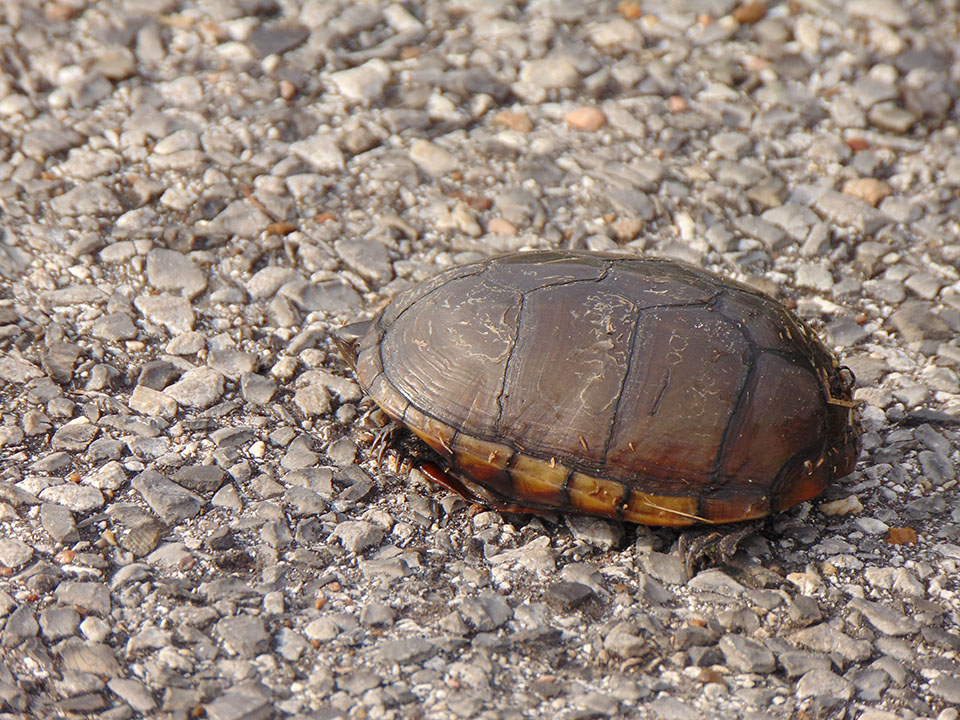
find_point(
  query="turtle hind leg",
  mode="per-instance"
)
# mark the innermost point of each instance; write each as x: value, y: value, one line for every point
x: 471, y: 494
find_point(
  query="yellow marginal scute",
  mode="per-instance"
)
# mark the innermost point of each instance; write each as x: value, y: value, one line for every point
x: 537, y: 481
x: 475, y: 453
x: 595, y: 496
x: 436, y: 434
x: 649, y: 509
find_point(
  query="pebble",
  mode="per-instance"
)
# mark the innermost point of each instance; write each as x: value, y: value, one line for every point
x: 745, y: 655
x: 364, y: 83
x: 825, y: 684
x: 244, y: 635
x: 168, y: 270
x: 14, y: 553
x: 173, y: 313
x: 321, y: 151
x: 358, y: 536
x: 868, y: 189
x: 550, y: 73
x: 588, y: 119
x: 432, y: 158
x: 171, y: 502
x: 197, y: 388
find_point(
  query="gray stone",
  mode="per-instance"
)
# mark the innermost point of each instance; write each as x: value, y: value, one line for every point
x: 321, y: 151
x: 376, y: 614
x: 47, y: 137
x: 257, y: 389
x: 87, y: 199
x: 21, y: 625
x: 594, y: 531
x: 915, y: 322
x: 169, y: 501
x: 57, y: 623
x: 114, y: 327
x: 232, y: 362
x: 78, y: 498
x: 368, y: 257
x: 244, y: 635
x: 936, y: 467
x: 567, y: 596
x: 890, y: 116
x: 91, y: 597
x: 797, y: 662
x: 239, y: 218
x: 870, y: 684
x: 14, y: 552
x: 134, y: 693
x: 624, y: 640
x: 409, y: 650
x: 486, y: 612
x: 203, y: 479
x: 168, y: 270
x: 664, y: 567
x: 332, y: 296
x: 666, y: 707
x: 58, y: 521
x: 364, y: 83
x: 59, y: 359
x: 550, y: 73
x: 249, y: 701
x: 824, y: 638
x: 847, y: 210
x: 947, y: 687
x: 432, y: 158
x: 888, y: 12
x: 75, y: 435
x: 885, y: 619
x: 266, y: 282
x: 745, y: 655
x: 824, y: 684
x: 358, y: 536
x: 172, y: 312
x: 89, y: 657
x: 198, y: 388
x: 716, y: 581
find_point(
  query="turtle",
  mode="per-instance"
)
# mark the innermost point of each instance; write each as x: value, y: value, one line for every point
x: 639, y: 389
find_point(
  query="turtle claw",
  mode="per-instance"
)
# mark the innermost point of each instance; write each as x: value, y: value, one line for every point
x: 711, y: 548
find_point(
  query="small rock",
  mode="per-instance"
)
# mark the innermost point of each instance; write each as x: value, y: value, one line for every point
x: 168, y: 500
x: 78, y: 498
x: 550, y: 73
x: 432, y: 158
x: 363, y: 83
x: 745, y: 655
x: 321, y: 151
x: 198, y: 388
x: 169, y: 270
x: 588, y: 119
x: 825, y: 684
x: 868, y: 189
x: 567, y: 596
x: 244, y: 635
x: 844, y: 506
x: 358, y: 536
x: 134, y: 693
x: 14, y: 552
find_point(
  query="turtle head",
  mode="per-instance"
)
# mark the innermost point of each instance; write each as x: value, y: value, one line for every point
x: 347, y: 340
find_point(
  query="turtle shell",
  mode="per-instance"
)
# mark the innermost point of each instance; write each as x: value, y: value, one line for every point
x: 632, y: 388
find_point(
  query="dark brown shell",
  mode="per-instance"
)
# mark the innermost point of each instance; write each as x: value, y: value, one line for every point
x: 639, y: 389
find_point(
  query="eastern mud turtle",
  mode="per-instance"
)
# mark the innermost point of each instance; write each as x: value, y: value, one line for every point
x: 632, y: 388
